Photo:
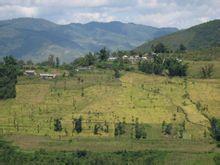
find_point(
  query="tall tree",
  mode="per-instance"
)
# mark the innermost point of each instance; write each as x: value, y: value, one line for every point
x: 103, y: 54
x: 57, y: 62
x: 160, y: 48
x: 51, y: 60
x: 182, y: 48
x: 8, y: 78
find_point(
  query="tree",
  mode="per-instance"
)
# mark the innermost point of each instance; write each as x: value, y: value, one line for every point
x: 57, y: 62
x: 96, y: 129
x: 119, y: 129
x: 90, y: 59
x: 163, y: 126
x: 103, y: 54
x: 168, y: 129
x: 51, y: 60
x: 117, y: 73
x: 21, y: 63
x: 176, y: 67
x: 139, y: 131
x: 57, y: 125
x: 159, y: 48
x: 29, y: 62
x: 207, y: 71
x: 215, y: 128
x: 150, y: 67
x: 78, y: 124
x: 182, y: 48
x: 8, y: 78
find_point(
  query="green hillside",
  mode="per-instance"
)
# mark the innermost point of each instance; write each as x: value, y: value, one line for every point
x: 200, y: 37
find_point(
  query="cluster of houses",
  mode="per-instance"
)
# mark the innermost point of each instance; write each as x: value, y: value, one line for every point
x: 32, y: 73
x: 134, y: 58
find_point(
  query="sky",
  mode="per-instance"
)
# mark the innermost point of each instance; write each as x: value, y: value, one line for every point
x: 158, y: 13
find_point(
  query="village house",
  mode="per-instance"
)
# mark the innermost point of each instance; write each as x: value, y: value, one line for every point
x: 47, y: 76
x: 86, y: 68
x: 125, y: 57
x: 30, y: 73
x: 112, y: 58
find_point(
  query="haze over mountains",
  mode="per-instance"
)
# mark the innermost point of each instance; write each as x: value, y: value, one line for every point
x: 31, y: 38
x: 200, y: 37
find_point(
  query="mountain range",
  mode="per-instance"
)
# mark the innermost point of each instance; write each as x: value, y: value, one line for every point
x: 36, y: 39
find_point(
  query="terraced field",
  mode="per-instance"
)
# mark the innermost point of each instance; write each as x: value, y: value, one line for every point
x: 106, y: 101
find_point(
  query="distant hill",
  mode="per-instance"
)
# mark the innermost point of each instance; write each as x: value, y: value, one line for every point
x: 31, y: 38
x: 200, y: 37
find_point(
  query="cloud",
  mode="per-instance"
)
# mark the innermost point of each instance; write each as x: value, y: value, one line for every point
x: 63, y: 3
x: 7, y: 12
x: 161, y: 13
x: 86, y: 17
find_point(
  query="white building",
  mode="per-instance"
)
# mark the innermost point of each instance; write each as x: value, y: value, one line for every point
x: 112, y: 58
x: 30, y: 73
x: 47, y: 76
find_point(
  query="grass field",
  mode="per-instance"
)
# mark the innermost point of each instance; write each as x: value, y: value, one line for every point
x: 28, y: 120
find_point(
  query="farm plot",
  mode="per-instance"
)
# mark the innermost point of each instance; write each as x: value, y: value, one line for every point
x: 103, y: 102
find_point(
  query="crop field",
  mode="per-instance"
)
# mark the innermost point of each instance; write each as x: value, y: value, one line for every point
x: 102, y: 100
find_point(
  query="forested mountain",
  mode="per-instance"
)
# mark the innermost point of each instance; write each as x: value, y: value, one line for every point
x: 31, y: 38
x: 200, y: 37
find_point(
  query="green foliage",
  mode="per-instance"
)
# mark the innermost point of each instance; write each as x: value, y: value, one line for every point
x: 119, y: 129
x: 103, y: 54
x: 57, y: 125
x: 155, y: 66
x: 57, y: 62
x: 163, y: 127
x: 8, y: 78
x: 166, y: 128
x: 96, y: 129
x: 11, y: 155
x: 117, y: 73
x: 175, y: 67
x: 51, y: 61
x: 207, y: 71
x: 159, y: 48
x: 160, y: 64
x: 182, y: 48
x: 140, y: 131
x: 77, y: 123
x: 215, y: 128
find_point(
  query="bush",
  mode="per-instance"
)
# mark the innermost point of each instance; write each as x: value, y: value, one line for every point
x: 119, y: 129
x: 215, y: 128
x: 207, y: 71
x: 78, y: 124
x: 174, y: 66
x: 57, y: 125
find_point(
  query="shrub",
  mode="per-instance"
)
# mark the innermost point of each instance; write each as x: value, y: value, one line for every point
x: 78, y: 124
x: 119, y: 129
x: 207, y: 71
x: 57, y: 125
x: 215, y: 128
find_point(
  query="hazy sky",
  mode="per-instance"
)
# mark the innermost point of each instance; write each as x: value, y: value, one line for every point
x: 160, y: 13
